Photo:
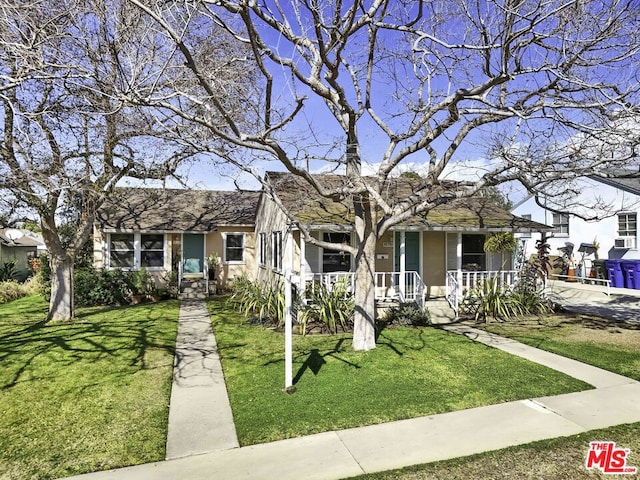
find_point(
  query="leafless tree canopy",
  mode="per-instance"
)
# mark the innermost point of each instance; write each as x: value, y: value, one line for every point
x: 70, y: 130
x: 542, y: 90
x: 545, y: 91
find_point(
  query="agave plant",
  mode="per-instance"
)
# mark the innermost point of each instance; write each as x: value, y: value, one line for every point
x: 331, y: 306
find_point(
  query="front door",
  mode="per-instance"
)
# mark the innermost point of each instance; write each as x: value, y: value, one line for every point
x: 193, y: 253
x: 411, y: 260
x: 411, y: 252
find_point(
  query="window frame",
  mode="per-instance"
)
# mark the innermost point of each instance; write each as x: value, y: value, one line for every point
x: 276, y: 250
x: 326, y: 237
x: 262, y: 249
x: 137, y: 251
x: 110, y: 249
x: 631, y: 218
x: 243, y: 248
x: 558, y: 226
x: 143, y: 250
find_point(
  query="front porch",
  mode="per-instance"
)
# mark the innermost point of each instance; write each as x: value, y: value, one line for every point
x: 407, y: 287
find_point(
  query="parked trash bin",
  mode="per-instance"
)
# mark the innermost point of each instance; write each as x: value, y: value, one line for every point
x: 614, y: 272
x: 631, y: 271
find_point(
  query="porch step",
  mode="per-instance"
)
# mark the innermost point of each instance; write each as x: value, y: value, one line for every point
x: 193, y: 288
x: 192, y: 295
x: 440, y: 310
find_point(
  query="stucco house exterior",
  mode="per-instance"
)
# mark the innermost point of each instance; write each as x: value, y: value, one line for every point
x: 614, y: 196
x: 173, y: 230
x: 430, y: 256
x: 434, y: 255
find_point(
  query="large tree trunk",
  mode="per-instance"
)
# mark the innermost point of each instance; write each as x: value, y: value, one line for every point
x: 364, y: 332
x: 61, y: 302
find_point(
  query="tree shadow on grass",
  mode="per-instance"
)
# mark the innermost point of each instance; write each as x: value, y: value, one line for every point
x: 42, y: 350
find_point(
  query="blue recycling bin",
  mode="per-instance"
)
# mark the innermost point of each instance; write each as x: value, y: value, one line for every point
x: 614, y: 272
x: 631, y: 271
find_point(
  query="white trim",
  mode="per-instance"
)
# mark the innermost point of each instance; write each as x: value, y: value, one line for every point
x: 224, y: 248
x: 137, y: 251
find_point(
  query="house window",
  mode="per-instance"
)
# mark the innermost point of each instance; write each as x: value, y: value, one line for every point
x: 234, y: 247
x: 276, y: 250
x: 135, y: 250
x: 122, y: 250
x: 335, y: 260
x: 151, y: 250
x: 473, y: 254
x: 627, y: 230
x: 263, y: 248
x: 561, y: 223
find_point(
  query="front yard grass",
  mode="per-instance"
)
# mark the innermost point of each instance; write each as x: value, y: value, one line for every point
x: 412, y: 372
x: 613, y: 346
x: 88, y: 395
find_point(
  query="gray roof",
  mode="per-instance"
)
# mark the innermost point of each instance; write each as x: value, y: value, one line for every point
x: 627, y: 180
x: 176, y: 210
x: 301, y: 199
x: 29, y: 239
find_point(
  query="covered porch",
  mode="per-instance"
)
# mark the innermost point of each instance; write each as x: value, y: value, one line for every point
x: 411, y: 266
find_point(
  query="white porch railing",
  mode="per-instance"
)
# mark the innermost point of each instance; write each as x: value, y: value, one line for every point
x: 459, y: 282
x: 401, y: 286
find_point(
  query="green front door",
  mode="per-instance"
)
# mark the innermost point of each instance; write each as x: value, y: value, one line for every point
x: 411, y: 252
x: 193, y: 253
x: 411, y: 262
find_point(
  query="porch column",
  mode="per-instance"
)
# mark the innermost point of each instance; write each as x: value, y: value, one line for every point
x: 459, y: 257
x: 402, y: 279
x: 303, y: 261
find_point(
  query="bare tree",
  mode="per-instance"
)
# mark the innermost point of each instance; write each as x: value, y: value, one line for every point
x: 542, y: 89
x: 69, y: 134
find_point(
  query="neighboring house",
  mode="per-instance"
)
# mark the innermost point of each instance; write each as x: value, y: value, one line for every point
x: 616, y: 198
x: 19, y: 249
x: 427, y: 256
x: 166, y: 230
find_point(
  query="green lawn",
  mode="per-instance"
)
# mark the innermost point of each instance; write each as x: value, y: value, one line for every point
x: 614, y: 346
x: 412, y: 372
x: 609, y: 345
x: 83, y: 396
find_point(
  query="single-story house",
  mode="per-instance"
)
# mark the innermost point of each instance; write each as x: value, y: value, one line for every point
x: 613, y: 196
x: 174, y: 230
x: 19, y: 246
x: 431, y: 255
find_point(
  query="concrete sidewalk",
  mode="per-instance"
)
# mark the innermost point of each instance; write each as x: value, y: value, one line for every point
x: 351, y: 452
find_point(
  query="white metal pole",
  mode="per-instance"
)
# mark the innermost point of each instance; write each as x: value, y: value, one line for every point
x: 288, y: 345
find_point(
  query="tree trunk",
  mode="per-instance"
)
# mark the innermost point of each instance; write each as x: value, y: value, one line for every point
x: 61, y: 302
x: 364, y: 332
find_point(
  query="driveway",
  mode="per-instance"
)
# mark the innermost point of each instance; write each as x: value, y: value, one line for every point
x: 622, y: 305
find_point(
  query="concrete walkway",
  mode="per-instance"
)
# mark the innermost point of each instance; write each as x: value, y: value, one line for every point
x: 351, y: 452
x: 200, y: 419
x: 622, y: 305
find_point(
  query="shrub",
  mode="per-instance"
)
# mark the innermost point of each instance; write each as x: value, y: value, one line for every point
x: 263, y: 300
x: 100, y: 287
x: 489, y: 298
x: 8, y: 271
x: 408, y: 314
x: 11, y: 290
x: 332, y: 308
